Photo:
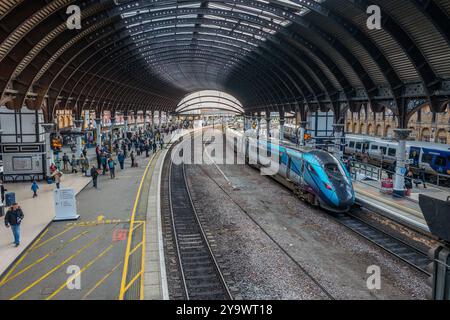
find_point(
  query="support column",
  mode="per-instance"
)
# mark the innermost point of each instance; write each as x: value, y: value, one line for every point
x: 113, y: 122
x: 338, y: 130
x: 159, y: 119
x: 282, y: 121
x: 153, y: 118
x: 269, y: 134
x: 399, y: 180
x: 79, y: 145
x: 258, y: 125
x: 125, y: 124
x: 98, y: 123
x: 302, y: 129
x: 48, y: 128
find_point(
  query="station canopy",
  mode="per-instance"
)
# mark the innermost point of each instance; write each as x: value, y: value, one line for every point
x: 209, y: 102
x: 272, y: 55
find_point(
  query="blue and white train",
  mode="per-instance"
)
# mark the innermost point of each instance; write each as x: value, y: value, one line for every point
x: 316, y: 176
x: 433, y: 157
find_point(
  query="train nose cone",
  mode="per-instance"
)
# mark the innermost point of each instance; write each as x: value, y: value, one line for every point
x: 345, y: 195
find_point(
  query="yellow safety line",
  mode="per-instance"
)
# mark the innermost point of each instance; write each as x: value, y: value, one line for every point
x: 42, y: 258
x: 55, y: 236
x: 135, y: 248
x: 56, y: 268
x: 22, y: 258
x: 106, y: 276
x: 143, y: 261
x: 123, y: 289
x: 393, y: 204
x: 80, y: 272
x: 133, y: 280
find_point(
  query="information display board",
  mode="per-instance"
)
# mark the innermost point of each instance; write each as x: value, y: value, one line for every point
x: 65, y: 204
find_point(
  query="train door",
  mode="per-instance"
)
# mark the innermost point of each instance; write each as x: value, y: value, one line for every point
x: 414, y: 156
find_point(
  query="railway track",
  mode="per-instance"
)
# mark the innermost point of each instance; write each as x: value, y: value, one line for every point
x: 389, y: 242
x: 201, y: 276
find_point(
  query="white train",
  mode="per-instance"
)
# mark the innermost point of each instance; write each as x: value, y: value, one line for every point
x: 433, y: 157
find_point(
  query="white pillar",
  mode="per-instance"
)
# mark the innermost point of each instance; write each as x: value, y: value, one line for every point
x: 48, y: 128
x: 125, y: 125
x: 159, y: 119
x: 78, y: 129
x: 281, y: 133
x: 268, y: 125
x: 338, y: 129
x: 258, y: 125
x: 301, y: 138
x: 399, y: 180
x: 98, y: 122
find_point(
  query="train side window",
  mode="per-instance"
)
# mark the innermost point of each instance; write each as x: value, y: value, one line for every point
x: 392, y: 152
x: 383, y: 150
x: 358, y: 145
x: 352, y: 144
x: 440, y: 161
x: 374, y: 147
x: 427, y: 158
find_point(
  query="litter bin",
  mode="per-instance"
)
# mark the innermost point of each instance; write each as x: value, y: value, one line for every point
x: 10, y: 198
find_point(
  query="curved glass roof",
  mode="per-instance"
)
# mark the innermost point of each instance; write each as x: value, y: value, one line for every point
x: 209, y: 101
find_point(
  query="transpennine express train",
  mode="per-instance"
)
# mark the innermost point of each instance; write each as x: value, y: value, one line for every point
x: 318, y: 177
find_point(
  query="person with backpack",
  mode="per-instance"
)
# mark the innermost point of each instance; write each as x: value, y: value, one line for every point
x: 94, y: 175
x: 13, y: 219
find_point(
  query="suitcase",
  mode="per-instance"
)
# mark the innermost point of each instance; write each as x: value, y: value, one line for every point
x: 135, y: 165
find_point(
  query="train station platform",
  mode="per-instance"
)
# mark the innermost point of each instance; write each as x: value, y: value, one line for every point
x: 38, y: 212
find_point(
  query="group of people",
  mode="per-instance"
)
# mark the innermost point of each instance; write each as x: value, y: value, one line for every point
x: 143, y: 141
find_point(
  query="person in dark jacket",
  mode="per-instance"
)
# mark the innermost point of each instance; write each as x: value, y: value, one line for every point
x: 94, y: 175
x: 121, y: 158
x: 2, y: 193
x: 13, y: 219
x: 132, y: 158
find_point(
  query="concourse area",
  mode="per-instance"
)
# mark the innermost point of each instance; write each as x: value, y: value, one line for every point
x: 217, y: 153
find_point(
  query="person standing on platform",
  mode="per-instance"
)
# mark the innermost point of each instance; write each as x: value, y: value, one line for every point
x: 65, y: 162
x: 34, y: 188
x: 98, y: 154
x: 103, y: 162
x: 2, y: 194
x: 112, y: 167
x: 13, y: 219
x: 121, y: 158
x: 73, y: 163
x: 132, y: 158
x: 57, y: 175
x: 94, y: 175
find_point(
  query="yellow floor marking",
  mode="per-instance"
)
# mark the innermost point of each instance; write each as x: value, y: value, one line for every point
x: 135, y: 248
x: 133, y: 281
x: 57, y: 267
x: 106, y: 276
x: 54, y: 237
x: 80, y: 272
x: 143, y: 262
x: 43, y: 258
x: 123, y: 289
x: 22, y: 258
